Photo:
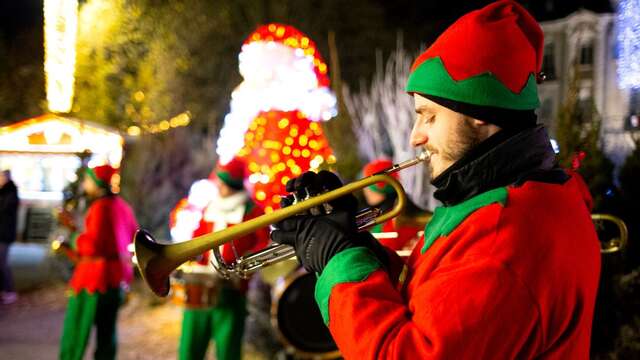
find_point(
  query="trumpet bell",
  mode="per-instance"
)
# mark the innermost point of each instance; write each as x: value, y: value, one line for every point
x: 153, y: 265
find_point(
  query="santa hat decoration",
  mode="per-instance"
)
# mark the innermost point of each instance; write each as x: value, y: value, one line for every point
x: 232, y: 173
x: 488, y: 58
x: 296, y: 41
x: 375, y: 167
x: 102, y: 175
x: 282, y: 70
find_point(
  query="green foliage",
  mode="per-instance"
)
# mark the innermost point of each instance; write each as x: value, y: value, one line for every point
x: 578, y: 136
x: 629, y: 178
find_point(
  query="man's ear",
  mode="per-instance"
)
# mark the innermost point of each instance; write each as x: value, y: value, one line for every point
x: 478, y: 123
x: 485, y: 128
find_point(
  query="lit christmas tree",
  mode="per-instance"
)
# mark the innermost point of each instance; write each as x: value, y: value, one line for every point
x: 276, y: 112
x: 628, y: 23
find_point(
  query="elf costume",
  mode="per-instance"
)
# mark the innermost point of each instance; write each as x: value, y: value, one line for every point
x: 223, y: 323
x: 103, y: 268
x: 405, y: 232
x: 508, y: 268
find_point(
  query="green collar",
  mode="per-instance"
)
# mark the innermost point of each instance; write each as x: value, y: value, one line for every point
x: 446, y: 219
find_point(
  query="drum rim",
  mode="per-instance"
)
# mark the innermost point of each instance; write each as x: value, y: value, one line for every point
x: 278, y: 290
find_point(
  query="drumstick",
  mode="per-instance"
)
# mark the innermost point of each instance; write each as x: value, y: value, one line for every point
x: 385, y: 235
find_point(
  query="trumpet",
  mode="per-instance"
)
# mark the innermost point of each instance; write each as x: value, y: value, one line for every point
x: 617, y: 243
x: 156, y: 261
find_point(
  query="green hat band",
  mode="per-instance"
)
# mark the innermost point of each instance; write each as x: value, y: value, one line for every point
x: 432, y: 78
x: 227, y: 179
x: 386, y: 189
x: 94, y: 177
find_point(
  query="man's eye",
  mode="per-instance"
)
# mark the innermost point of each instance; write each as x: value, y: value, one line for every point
x: 429, y: 119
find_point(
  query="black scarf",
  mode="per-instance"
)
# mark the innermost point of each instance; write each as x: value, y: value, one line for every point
x: 506, y: 158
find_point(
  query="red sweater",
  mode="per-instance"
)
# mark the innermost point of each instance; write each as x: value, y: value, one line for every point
x: 509, y: 274
x: 104, y: 261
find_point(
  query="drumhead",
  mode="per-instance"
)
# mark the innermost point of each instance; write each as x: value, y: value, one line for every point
x: 298, y: 319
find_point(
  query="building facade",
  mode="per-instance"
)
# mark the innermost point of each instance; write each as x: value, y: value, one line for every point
x: 585, y: 42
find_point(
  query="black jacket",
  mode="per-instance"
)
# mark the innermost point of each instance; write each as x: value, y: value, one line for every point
x: 506, y: 158
x: 8, y: 212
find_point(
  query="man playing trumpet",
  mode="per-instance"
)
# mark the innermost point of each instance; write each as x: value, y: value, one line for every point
x: 508, y: 267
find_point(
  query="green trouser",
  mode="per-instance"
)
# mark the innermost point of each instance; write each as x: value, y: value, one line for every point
x: 83, y: 311
x: 223, y: 323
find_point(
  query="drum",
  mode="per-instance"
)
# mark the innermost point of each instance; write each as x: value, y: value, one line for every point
x: 295, y: 315
x: 194, y: 290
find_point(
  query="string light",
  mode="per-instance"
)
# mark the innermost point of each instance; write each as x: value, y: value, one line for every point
x: 182, y: 119
x: 628, y: 23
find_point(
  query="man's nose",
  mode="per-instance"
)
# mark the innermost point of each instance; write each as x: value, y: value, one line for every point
x: 418, y: 136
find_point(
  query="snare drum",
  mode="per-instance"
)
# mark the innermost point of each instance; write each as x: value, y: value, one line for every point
x: 295, y: 315
x: 194, y: 290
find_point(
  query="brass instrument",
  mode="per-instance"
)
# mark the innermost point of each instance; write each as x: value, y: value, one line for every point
x: 156, y: 261
x: 618, y: 243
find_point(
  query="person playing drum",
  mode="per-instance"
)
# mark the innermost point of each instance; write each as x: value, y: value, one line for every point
x: 223, y: 322
x: 508, y: 267
x: 103, y: 269
x: 383, y: 196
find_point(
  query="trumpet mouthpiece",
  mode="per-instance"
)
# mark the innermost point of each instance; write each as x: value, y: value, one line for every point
x: 424, y: 156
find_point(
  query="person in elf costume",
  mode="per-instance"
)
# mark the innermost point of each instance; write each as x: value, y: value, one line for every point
x: 508, y: 266
x: 384, y: 196
x: 103, y: 269
x: 224, y: 323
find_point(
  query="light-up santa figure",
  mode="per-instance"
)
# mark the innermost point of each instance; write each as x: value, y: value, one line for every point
x: 275, y: 122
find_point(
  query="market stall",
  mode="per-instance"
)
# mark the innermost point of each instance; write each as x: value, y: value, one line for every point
x: 44, y: 154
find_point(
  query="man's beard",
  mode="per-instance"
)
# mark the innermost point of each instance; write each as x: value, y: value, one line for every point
x: 464, y: 138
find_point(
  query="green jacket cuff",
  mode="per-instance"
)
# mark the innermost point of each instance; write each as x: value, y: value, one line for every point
x: 351, y: 265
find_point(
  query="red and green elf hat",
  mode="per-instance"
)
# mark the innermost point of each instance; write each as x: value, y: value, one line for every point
x: 375, y: 167
x: 489, y: 57
x: 232, y: 173
x: 102, y: 175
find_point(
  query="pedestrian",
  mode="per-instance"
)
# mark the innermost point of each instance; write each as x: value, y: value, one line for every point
x: 8, y: 221
x: 508, y: 267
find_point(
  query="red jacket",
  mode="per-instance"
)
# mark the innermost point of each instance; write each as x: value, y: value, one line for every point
x: 509, y: 274
x: 104, y: 261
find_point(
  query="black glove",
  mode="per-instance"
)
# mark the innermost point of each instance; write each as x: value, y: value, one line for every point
x: 318, y: 238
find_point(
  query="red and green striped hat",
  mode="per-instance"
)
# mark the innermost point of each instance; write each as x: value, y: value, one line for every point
x: 231, y: 173
x: 102, y: 175
x: 375, y: 167
x: 488, y: 58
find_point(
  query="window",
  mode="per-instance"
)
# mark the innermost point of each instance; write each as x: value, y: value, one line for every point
x: 586, y: 54
x: 549, y: 63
